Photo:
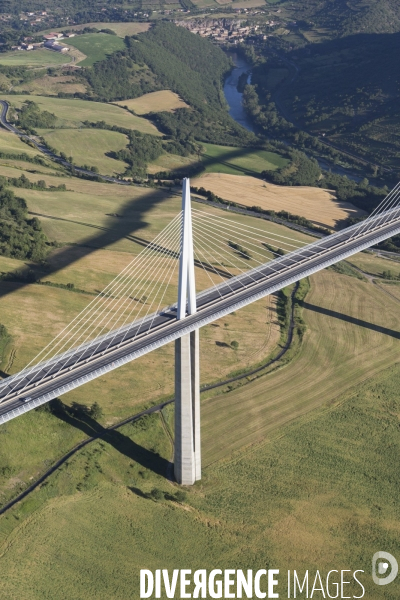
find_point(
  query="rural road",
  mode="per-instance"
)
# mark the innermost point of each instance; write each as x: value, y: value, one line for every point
x: 4, y: 106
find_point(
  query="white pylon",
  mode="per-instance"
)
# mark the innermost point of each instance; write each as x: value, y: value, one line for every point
x: 187, y: 377
x: 186, y: 285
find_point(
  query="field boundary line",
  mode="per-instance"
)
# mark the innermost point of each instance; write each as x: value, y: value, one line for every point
x: 149, y: 411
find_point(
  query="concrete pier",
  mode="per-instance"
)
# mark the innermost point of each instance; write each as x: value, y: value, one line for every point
x: 187, y: 461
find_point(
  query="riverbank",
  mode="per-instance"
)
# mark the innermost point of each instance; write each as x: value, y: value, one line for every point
x: 232, y: 96
x: 234, y: 99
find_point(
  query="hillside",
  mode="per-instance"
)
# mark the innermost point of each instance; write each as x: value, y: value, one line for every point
x: 165, y: 57
x: 170, y: 57
x: 345, y: 17
x: 357, y: 107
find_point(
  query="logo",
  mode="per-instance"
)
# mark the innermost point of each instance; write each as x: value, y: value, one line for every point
x: 384, y: 564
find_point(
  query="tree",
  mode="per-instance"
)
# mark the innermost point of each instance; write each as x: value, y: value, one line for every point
x: 235, y: 344
x: 96, y: 411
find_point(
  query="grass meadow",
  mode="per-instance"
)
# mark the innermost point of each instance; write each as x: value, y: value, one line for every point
x: 52, y: 85
x: 12, y: 144
x: 172, y: 162
x: 205, y: 3
x: 222, y: 159
x: 121, y: 29
x: 321, y: 493
x: 71, y: 112
x: 96, y: 46
x: 352, y: 334
x: 33, y: 58
x: 375, y: 265
x: 239, y: 161
x: 89, y: 147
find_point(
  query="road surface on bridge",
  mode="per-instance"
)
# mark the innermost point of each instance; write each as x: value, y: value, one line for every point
x: 68, y: 371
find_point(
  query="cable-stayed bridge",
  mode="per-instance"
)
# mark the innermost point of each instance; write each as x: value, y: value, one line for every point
x: 128, y: 318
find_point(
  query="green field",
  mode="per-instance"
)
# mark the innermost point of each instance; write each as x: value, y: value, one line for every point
x: 71, y: 113
x: 258, y: 501
x: 96, y: 46
x: 222, y: 159
x: 375, y: 265
x: 89, y: 147
x: 52, y: 85
x: 351, y: 335
x: 11, y: 143
x: 171, y: 162
x: 240, y: 161
x: 33, y: 58
x: 121, y: 29
x: 321, y: 493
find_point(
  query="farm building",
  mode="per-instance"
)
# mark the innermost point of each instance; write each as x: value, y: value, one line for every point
x: 52, y: 45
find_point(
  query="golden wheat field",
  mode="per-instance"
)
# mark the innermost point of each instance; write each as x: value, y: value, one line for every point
x: 164, y: 100
x: 318, y: 205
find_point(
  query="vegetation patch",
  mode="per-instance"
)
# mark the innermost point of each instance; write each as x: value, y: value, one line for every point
x: 240, y: 161
x: 373, y: 264
x: 5, y: 340
x: 96, y: 46
x: 30, y: 116
x: 53, y: 84
x: 358, y: 110
x: 12, y: 149
x: 346, y: 268
x: 353, y: 481
x: 122, y: 29
x: 20, y: 236
x: 170, y: 57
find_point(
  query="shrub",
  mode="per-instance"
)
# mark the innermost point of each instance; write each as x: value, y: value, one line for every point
x: 157, y: 494
x: 180, y: 496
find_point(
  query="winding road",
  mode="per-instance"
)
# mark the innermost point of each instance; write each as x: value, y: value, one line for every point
x: 4, y: 107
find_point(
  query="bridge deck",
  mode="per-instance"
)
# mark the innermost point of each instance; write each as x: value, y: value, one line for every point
x: 48, y: 380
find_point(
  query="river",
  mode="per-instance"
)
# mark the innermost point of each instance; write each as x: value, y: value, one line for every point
x: 232, y: 96
x: 237, y: 112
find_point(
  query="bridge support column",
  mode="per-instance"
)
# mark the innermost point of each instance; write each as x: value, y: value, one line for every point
x: 187, y: 461
x: 187, y: 409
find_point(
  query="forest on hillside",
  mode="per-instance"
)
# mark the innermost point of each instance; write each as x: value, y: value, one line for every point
x: 170, y: 57
x: 347, y: 17
x: 20, y: 236
x: 349, y: 90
